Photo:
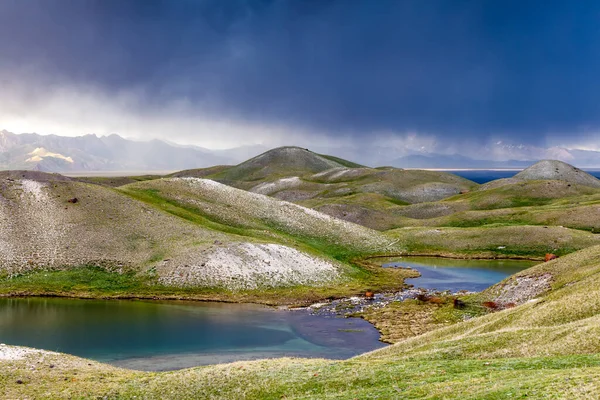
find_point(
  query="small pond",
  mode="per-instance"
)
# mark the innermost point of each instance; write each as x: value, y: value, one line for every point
x: 455, y: 275
x: 153, y: 335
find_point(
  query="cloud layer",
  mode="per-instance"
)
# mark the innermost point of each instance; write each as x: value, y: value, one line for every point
x: 224, y: 73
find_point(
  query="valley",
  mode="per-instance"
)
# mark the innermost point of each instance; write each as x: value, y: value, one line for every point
x: 291, y: 228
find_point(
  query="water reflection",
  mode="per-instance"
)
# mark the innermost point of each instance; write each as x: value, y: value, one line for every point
x: 451, y: 274
x: 166, y: 335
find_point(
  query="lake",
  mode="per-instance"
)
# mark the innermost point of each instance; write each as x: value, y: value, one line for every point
x: 161, y: 335
x: 455, y: 275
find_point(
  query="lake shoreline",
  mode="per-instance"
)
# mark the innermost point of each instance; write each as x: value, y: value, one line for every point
x: 268, y: 300
x: 155, y: 336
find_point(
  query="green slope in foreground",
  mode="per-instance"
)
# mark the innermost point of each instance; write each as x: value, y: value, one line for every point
x: 547, y: 347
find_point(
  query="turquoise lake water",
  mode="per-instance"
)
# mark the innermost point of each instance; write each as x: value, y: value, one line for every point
x: 164, y: 335
x: 451, y: 274
x: 152, y: 335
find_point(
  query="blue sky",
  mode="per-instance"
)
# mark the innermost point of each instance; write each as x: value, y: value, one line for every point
x: 436, y: 75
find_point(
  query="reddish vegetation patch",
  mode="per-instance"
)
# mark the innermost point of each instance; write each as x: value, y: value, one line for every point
x: 492, y: 305
x: 425, y: 298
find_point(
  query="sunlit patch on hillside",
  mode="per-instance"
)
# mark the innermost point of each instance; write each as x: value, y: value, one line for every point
x: 40, y: 153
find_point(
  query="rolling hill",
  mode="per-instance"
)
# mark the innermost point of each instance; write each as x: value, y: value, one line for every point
x: 186, y: 236
x: 176, y: 233
x: 337, y: 187
x: 281, y: 162
x: 549, y: 193
x: 553, y: 170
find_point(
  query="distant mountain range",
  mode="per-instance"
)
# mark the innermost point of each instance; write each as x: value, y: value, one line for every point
x: 440, y: 161
x: 53, y: 153
x: 580, y: 158
x: 500, y: 155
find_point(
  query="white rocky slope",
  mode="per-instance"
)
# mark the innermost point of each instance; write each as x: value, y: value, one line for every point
x: 241, y: 207
x: 249, y: 266
x: 268, y: 188
x: 11, y: 353
x: 40, y: 229
x: 548, y: 170
x: 553, y: 169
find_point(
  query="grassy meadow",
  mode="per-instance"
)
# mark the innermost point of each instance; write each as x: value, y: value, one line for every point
x: 534, y: 335
x: 547, y: 348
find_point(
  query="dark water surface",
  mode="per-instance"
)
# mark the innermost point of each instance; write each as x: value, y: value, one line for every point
x: 451, y: 274
x: 483, y: 175
x: 152, y: 335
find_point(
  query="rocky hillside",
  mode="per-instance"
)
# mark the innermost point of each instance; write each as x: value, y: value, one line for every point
x: 226, y: 207
x: 553, y: 170
x: 547, y: 193
x: 557, y: 170
x: 337, y: 187
x: 187, y: 231
x: 280, y: 162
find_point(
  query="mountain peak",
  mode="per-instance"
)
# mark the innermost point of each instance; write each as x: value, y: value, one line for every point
x: 557, y: 170
x: 287, y: 160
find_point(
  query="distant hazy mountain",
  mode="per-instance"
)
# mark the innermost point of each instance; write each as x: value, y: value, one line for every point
x: 453, y: 161
x: 580, y: 158
x: 54, y: 153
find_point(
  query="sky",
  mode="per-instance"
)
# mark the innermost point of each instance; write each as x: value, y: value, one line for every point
x: 441, y: 76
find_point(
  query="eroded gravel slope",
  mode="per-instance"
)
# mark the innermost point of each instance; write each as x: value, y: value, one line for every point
x: 41, y: 229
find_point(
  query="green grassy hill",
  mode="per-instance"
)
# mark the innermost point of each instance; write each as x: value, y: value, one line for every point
x: 337, y: 187
x: 548, y: 194
x: 523, y: 241
x: 496, y: 207
x: 176, y: 237
x: 282, y: 161
x: 182, y: 237
x: 547, y: 346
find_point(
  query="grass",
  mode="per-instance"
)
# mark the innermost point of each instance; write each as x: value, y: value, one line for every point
x: 542, y: 203
x: 494, y: 241
x: 539, y: 377
x: 116, y: 181
x: 545, y: 203
x: 549, y: 348
x: 341, y: 161
x: 543, y: 349
x: 91, y: 281
x: 192, y: 214
x: 400, y: 320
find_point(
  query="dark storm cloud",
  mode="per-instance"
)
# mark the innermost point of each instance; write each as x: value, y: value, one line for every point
x: 475, y: 69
